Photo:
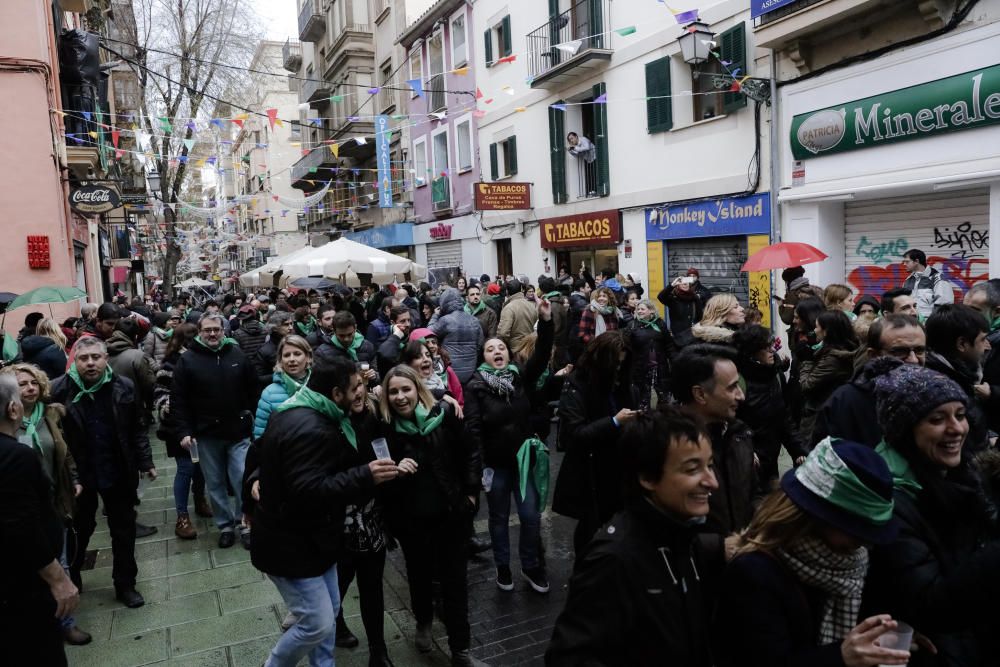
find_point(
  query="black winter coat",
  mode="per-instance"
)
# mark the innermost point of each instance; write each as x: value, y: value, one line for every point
x: 498, y: 425
x: 43, y: 352
x: 589, y: 482
x: 765, y: 617
x: 250, y: 336
x: 389, y: 352
x: 683, y: 313
x: 133, y: 443
x: 449, y: 470
x: 308, y: 473
x: 991, y: 376
x: 734, y: 502
x: 264, y: 362
x: 650, y: 348
x: 366, y: 353
x: 214, y: 393
x: 640, y: 595
x: 574, y: 311
x: 765, y: 413
x: 850, y: 413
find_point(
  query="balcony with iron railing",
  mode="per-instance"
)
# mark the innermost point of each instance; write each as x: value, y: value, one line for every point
x: 315, y: 90
x: 571, y: 44
x: 441, y: 195
x: 291, y: 55
x: 312, y: 21
x: 797, y: 23
x: 86, y: 140
x: 316, y: 159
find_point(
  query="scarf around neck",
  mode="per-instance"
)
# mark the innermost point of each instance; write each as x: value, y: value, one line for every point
x: 499, y: 380
x: 421, y: 423
x: 601, y: 310
x: 840, y: 576
x: 226, y: 340
x: 309, y: 398
x: 84, y: 389
x: 30, y: 424
x: 292, y: 385
x: 355, y: 344
x: 651, y: 323
x: 480, y: 307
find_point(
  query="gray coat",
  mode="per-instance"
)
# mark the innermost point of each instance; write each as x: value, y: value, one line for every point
x: 460, y: 334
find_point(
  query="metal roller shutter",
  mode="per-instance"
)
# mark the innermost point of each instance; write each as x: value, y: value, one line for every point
x: 951, y: 228
x: 717, y: 259
x: 444, y: 254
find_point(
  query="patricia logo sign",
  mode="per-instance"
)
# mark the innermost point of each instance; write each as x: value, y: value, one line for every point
x: 90, y: 199
x: 952, y: 104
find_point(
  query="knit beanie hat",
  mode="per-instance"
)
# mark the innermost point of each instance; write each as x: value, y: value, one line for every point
x: 907, y: 394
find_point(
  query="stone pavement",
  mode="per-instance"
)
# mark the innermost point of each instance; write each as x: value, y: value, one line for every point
x: 209, y: 607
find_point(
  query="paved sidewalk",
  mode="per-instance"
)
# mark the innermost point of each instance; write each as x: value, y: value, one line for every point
x: 209, y: 607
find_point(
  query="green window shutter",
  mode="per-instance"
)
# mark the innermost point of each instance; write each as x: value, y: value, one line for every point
x: 506, y: 46
x: 659, y: 111
x: 494, y: 169
x: 596, y: 27
x: 557, y: 155
x: 733, y: 48
x: 554, y: 53
x: 488, y: 44
x: 512, y: 153
x: 600, y: 112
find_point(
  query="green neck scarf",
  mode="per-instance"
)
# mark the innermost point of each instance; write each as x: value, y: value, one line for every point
x: 421, y: 424
x: 480, y: 307
x: 651, y: 323
x: 355, y: 344
x: 84, y: 389
x: 995, y: 324
x: 308, y: 398
x: 826, y: 475
x: 902, y: 473
x: 226, y: 340
x: 30, y: 424
x: 308, y: 326
x: 292, y: 385
x: 552, y: 294
x: 487, y: 368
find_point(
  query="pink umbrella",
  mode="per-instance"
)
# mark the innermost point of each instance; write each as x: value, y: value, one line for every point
x: 782, y: 256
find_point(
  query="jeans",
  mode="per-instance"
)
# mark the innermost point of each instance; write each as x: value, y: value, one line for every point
x: 505, y: 482
x: 187, y: 473
x: 217, y: 458
x: 66, y: 622
x: 119, y: 502
x: 439, y: 547
x: 369, y: 567
x: 315, y: 602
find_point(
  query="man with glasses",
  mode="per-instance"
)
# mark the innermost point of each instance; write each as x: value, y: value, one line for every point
x: 212, y: 398
x: 849, y: 413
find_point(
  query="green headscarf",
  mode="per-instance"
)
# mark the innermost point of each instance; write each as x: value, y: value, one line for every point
x: 480, y: 307
x: 538, y: 474
x: 84, y: 389
x: 30, y: 424
x: 421, y: 424
x: 651, y: 323
x: 355, y: 344
x: 309, y: 398
x: 902, y: 473
x: 826, y: 476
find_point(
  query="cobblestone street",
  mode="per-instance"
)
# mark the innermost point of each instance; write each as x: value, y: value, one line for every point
x: 209, y: 607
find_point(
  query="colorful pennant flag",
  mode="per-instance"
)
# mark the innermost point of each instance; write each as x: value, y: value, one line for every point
x: 272, y: 116
x: 571, y: 47
x: 461, y: 71
x: 601, y: 99
x: 417, y: 86
x: 507, y: 59
x: 626, y: 31
x: 479, y: 94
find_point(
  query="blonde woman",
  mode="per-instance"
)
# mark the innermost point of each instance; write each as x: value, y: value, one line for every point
x: 46, y: 349
x: 839, y: 297
x: 723, y: 315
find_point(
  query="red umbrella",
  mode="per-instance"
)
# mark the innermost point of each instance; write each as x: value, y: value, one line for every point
x: 782, y: 256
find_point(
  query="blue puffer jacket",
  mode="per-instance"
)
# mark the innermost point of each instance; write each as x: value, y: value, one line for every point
x: 460, y: 334
x: 273, y: 395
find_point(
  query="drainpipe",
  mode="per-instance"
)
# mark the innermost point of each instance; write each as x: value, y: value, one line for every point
x: 775, y: 175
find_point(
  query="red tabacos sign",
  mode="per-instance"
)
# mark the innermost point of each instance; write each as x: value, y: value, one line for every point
x: 600, y: 228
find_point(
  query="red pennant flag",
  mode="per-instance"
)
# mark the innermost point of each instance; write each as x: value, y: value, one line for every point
x: 508, y: 59
x: 238, y: 122
x: 735, y: 87
x: 114, y: 137
x: 306, y: 151
x: 479, y: 94
x: 272, y: 115
x: 274, y: 197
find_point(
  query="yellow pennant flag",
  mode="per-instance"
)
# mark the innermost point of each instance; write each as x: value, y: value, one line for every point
x: 93, y: 134
x: 335, y: 149
x: 461, y: 71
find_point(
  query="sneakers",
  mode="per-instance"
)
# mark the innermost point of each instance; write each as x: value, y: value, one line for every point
x: 227, y: 538
x: 184, y: 529
x: 537, y: 578
x: 202, y: 508
x: 505, y: 581
x: 422, y: 640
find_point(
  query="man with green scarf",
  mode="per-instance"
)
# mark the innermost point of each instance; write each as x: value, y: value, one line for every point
x: 348, y: 343
x: 487, y: 316
x: 306, y: 481
x: 103, y: 430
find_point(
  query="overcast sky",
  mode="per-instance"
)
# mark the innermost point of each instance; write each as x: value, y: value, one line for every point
x: 280, y: 17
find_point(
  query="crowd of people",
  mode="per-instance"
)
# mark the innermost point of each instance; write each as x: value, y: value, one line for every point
x: 321, y: 430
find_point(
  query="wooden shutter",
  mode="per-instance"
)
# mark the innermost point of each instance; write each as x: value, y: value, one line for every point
x: 512, y: 153
x: 600, y: 112
x: 557, y: 155
x: 554, y: 53
x: 659, y: 111
x: 506, y: 46
x: 488, y: 47
x: 494, y: 170
x: 596, y: 28
x: 733, y: 48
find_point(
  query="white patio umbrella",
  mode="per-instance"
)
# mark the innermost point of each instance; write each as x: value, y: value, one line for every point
x: 343, y: 256
x: 191, y: 283
x: 266, y: 271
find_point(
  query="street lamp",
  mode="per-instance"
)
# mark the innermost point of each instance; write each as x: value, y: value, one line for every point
x: 153, y: 178
x: 695, y: 42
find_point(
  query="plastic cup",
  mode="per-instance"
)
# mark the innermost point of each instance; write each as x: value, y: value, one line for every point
x: 194, y: 452
x: 487, y: 479
x: 381, y: 448
x: 898, y: 639
x: 365, y: 366
x: 143, y: 483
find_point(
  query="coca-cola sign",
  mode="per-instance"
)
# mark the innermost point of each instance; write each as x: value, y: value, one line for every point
x: 90, y: 199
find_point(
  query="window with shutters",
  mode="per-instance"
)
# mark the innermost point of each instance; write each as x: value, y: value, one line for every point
x: 503, y: 158
x: 659, y: 112
x: 463, y: 141
x: 497, y: 41
x: 706, y: 99
x: 557, y: 154
x: 733, y: 49
x: 459, y: 49
x: 420, y: 162
x: 416, y: 64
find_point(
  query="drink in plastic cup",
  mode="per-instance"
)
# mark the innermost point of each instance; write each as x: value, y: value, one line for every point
x: 365, y: 366
x: 381, y: 448
x: 487, y: 479
x: 143, y: 483
x: 194, y: 452
x: 898, y: 639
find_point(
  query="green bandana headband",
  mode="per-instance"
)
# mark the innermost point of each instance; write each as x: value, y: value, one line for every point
x: 421, y: 424
x: 84, y: 389
x: 480, y: 307
x: 355, y: 344
x: 30, y: 424
x: 826, y: 475
x: 308, y: 398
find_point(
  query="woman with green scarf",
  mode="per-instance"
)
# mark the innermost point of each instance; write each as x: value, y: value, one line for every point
x: 428, y: 508
x: 41, y: 431
x: 294, y: 361
x: 652, y: 347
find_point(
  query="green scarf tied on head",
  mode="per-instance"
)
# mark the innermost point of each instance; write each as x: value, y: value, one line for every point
x: 480, y: 307
x: 421, y: 424
x: 309, y: 398
x: 651, y: 323
x: 827, y: 476
x: 308, y: 326
x: 30, y: 424
x: 355, y: 345
x: 84, y: 389
x: 900, y: 469
x: 538, y: 474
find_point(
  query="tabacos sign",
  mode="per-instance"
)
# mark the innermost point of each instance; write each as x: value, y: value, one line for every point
x: 960, y: 102
x: 90, y: 199
x: 599, y: 228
